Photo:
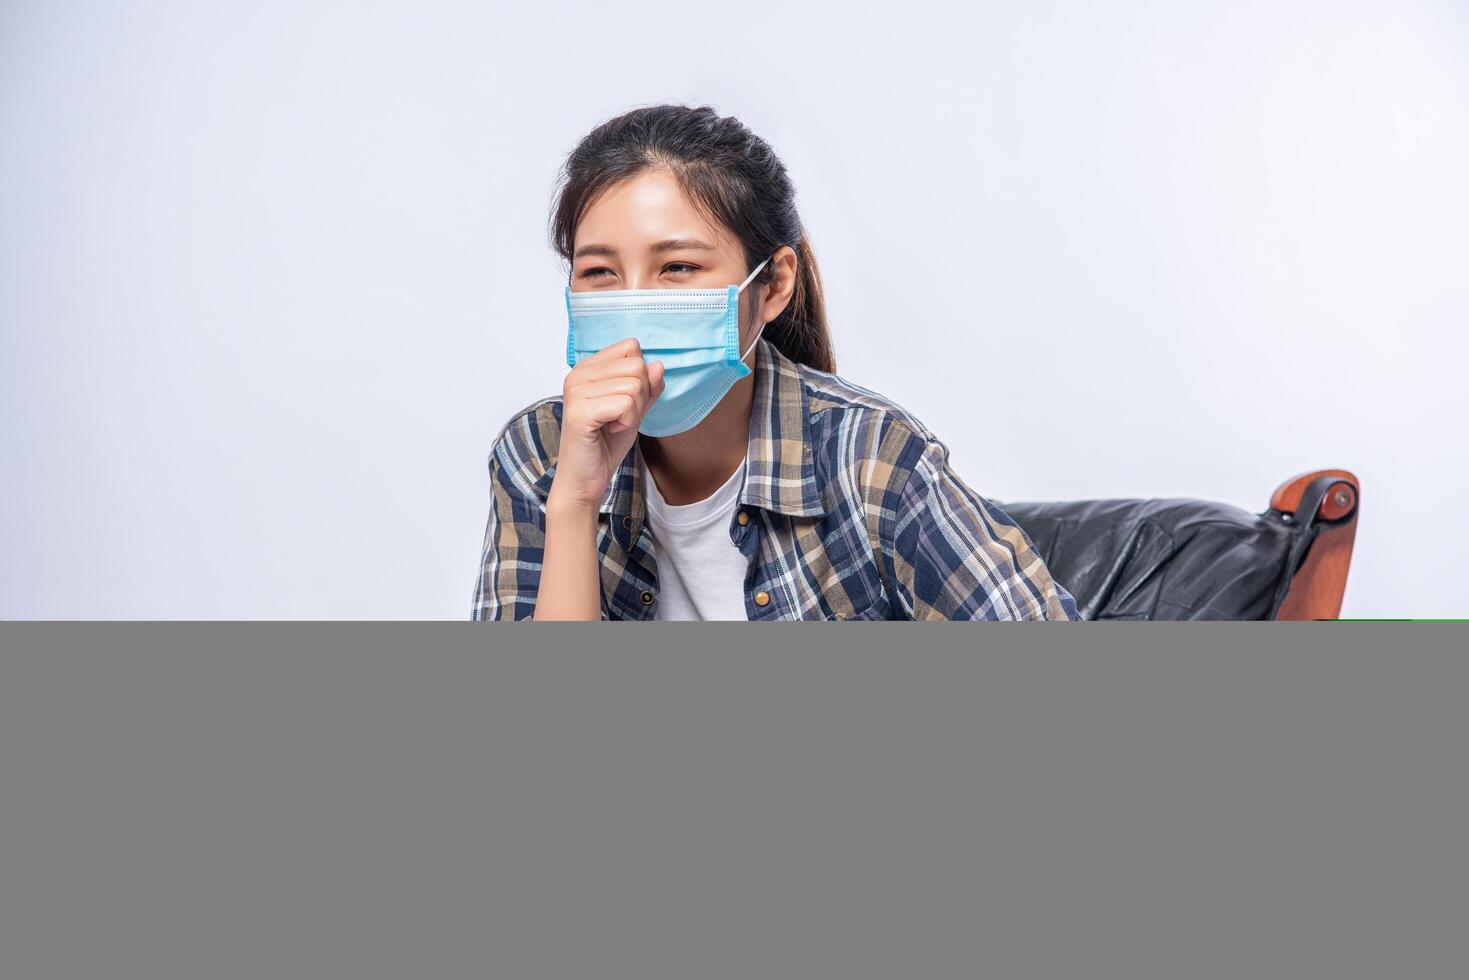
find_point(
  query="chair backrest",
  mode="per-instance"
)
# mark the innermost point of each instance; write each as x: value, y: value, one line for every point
x: 1181, y: 558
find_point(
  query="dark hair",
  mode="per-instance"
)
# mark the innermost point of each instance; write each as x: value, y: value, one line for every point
x: 728, y: 172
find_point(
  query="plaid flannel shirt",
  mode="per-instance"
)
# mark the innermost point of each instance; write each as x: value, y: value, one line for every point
x: 848, y: 509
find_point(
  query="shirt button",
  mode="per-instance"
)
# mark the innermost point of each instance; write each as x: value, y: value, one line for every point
x: 627, y: 523
x: 647, y: 597
x: 762, y: 598
x: 744, y: 518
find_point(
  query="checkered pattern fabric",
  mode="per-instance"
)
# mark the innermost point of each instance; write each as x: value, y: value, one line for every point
x: 851, y: 511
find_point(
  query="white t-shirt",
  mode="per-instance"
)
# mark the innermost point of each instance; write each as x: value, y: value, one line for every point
x: 701, y: 574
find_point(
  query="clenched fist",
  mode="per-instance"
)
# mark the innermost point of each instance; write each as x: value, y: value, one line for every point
x: 604, y: 399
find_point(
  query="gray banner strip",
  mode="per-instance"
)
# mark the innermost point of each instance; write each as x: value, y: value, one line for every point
x: 715, y: 800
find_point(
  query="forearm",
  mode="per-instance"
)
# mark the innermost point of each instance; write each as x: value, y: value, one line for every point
x: 570, y: 586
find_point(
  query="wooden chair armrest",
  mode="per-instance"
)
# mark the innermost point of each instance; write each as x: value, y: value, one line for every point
x: 1339, y: 501
x: 1317, y: 588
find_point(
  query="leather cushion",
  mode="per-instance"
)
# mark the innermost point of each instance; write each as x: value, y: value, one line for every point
x: 1171, y: 558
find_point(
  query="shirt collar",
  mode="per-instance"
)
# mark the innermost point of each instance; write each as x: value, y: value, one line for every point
x: 780, y: 473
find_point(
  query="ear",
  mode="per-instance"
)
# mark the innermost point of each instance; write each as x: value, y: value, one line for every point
x: 779, y: 290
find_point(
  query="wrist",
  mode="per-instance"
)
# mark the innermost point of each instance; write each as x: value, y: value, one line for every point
x: 562, y: 510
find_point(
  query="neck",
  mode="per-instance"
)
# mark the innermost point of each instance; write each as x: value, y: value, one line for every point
x: 692, y: 465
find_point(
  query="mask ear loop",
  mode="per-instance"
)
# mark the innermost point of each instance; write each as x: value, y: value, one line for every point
x: 761, y: 328
x: 753, y: 274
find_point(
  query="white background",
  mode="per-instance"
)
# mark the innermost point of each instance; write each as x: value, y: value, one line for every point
x: 273, y: 275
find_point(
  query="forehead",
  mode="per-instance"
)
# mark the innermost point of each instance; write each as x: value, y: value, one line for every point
x: 648, y: 207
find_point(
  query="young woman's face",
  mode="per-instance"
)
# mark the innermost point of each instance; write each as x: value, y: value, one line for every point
x: 643, y: 233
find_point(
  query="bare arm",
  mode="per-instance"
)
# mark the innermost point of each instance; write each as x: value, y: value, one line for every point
x: 604, y: 399
x: 571, y: 574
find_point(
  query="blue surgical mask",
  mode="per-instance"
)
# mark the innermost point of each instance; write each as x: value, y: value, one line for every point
x: 694, y: 332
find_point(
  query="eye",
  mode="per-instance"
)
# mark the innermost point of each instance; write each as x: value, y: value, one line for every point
x: 595, y: 273
x: 680, y: 268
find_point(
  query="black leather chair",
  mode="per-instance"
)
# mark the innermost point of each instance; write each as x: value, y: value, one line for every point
x: 1180, y: 558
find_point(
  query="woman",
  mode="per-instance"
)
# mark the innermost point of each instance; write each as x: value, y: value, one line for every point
x: 703, y: 461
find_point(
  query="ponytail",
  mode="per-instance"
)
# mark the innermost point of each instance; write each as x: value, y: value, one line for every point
x: 800, y: 331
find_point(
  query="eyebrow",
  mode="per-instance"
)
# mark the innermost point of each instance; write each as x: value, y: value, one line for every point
x: 667, y: 245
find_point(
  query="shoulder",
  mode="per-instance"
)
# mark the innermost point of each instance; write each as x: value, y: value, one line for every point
x: 854, y: 427
x: 527, y: 444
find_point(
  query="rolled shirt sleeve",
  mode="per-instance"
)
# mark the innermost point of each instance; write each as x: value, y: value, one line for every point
x: 514, y: 547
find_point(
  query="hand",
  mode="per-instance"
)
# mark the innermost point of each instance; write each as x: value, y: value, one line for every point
x: 604, y: 399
